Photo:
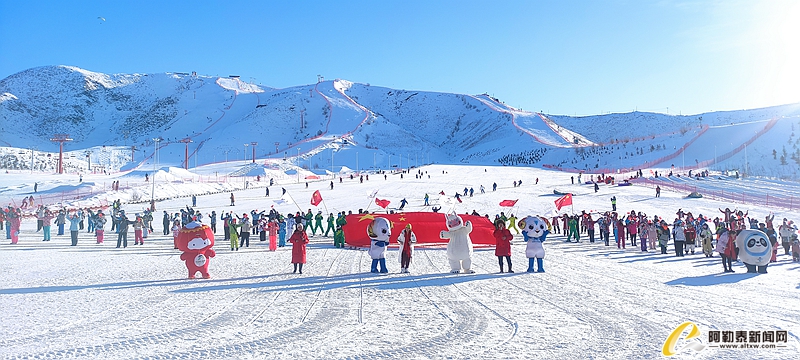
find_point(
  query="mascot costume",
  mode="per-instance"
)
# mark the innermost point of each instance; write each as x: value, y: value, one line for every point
x: 379, y: 231
x: 195, y: 240
x: 534, y: 231
x: 756, y: 250
x: 459, y: 246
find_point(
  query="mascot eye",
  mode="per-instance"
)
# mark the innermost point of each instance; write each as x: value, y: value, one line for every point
x: 751, y: 242
x: 541, y: 226
x: 383, y: 231
x: 763, y: 242
x: 530, y: 227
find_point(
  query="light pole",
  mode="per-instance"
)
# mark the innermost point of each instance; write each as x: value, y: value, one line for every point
x: 356, y: 162
x: 298, y: 165
x: 254, y: 150
x: 153, y: 189
x: 245, y: 151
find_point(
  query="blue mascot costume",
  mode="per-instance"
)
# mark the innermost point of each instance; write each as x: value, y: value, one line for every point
x: 534, y: 232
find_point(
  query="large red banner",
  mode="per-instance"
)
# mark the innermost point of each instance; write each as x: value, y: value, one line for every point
x: 426, y: 225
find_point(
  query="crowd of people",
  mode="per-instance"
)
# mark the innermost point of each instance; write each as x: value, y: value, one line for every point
x: 688, y: 234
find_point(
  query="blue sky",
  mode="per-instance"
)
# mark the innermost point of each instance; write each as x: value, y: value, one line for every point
x: 562, y: 57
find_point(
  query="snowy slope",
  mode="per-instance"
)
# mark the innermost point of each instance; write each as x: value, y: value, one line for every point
x: 334, y: 123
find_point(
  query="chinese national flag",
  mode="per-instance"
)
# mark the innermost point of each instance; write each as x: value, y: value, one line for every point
x: 508, y: 203
x: 563, y: 201
x: 382, y: 203
x: 316, y: 198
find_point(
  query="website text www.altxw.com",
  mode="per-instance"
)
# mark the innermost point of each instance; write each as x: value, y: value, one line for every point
x: 747, y: 346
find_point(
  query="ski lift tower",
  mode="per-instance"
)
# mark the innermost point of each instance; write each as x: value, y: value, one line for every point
x: 60, y: 139
x: 253, y: 144
x: 276, y: 147
x: 186, y: 152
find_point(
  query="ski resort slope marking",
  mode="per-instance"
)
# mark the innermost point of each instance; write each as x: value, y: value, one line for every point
x: 538, y: 138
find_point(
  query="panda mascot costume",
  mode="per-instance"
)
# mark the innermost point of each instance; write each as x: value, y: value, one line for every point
x: 459, y: 246
x: 195, y: 240
x: 379, y: 231
x: 534, y: 231
x: 756, y: 250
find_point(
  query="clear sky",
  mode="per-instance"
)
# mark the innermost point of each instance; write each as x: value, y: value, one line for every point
x: 562, y: 57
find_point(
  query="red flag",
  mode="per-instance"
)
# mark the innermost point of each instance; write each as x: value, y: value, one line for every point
x: 316, y: 198
x: 382, y: 203
x: 563, y: 201
x: 508, y: 203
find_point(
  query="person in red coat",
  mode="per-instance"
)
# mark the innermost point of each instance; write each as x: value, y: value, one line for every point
x: 726, y: 248
x: 502, y: 239
x: 299, y: 240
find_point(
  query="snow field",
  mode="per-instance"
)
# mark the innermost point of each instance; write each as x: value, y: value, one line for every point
x: 95, y: 301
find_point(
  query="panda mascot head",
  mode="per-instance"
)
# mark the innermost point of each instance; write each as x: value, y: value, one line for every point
x: 380, y: 228
x: 454, y: 222
x: 533, y: 226
x: 756, y: 249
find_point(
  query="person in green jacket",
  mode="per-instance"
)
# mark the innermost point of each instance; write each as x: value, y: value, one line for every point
x: 308, y: 223
x: 338, y: 235
x: 573, y: 229
x: 234, y: 234
x: 331, y: 226
x: 512, y: 224
x: 318, y: 223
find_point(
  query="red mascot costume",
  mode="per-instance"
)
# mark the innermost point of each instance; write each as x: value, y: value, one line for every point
x: 195, y: 240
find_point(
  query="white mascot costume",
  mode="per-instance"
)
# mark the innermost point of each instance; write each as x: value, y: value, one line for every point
x: 459, y: 248
x: 379, y: 231
x: 534, y: 231
x: 756, y: 250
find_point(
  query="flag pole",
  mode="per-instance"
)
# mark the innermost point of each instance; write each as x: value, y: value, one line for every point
x: 326, y: 206
x: 571, y: 204
x: 295, y: 202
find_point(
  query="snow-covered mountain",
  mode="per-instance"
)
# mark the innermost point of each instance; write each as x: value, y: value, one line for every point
x: 335, y: 123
